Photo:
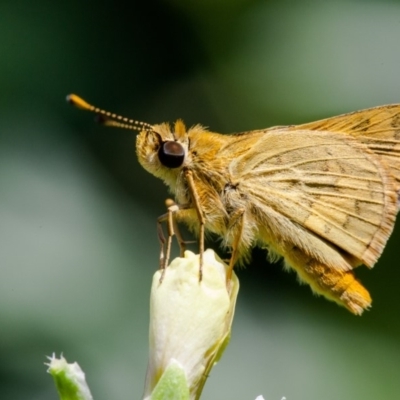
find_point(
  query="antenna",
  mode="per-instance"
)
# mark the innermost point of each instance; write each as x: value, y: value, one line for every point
x: 107, y: 118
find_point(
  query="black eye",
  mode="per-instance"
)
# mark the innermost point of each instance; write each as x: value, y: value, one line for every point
x: 171, y: 154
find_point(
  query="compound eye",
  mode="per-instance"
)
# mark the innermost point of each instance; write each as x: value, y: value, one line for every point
x: 171, y: 154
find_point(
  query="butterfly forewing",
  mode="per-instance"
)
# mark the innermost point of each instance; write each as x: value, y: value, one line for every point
x: 324, y: 182
x: 378, y: 128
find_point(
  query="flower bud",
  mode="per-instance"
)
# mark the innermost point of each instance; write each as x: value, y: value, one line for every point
x: 190, y: 319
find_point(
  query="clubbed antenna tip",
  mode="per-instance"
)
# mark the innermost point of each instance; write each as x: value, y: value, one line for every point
x: 107, y: 118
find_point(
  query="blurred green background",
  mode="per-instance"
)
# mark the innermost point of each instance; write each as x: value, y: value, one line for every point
x: 78, y: 243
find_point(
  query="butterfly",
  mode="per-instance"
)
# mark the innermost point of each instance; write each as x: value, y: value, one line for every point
x: 322, y: 195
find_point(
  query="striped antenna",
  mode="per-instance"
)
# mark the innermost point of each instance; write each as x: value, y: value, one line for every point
x: 107, y: 118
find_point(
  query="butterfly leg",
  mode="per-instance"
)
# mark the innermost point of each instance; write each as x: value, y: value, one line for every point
x: 236, y: 224
x: 165, y: 243
x: 161, y: 239
x: 200, y: 216
x: 172, y: 230
x: 176, y: 209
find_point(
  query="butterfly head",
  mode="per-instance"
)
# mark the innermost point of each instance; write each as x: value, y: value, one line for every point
x: 162, y: 150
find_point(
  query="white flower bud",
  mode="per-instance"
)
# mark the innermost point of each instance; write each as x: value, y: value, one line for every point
x: 190, y: 320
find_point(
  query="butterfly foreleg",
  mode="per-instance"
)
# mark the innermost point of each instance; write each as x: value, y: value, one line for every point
x: 200, y: 215
x: 165, y: 243
x: 172, y: 230
x: 176, y: 209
